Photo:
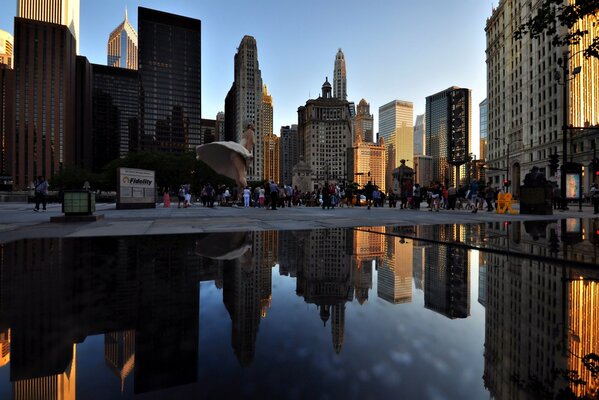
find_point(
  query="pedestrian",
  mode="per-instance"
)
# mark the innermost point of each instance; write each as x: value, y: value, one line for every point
x: 274, y: 195
x: 417, y: 196
x: 376, y: 197
x: 368, y: 190
x: 41, y: 193
x: 452, y: 196
x: 595, y: 198
x: 474, y: 195
x: 489, y: 195
x: 166, y: 198
x: 246, y: 197
x: 181, y: 196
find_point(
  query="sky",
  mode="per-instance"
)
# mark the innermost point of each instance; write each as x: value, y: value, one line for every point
x: 394, y: 49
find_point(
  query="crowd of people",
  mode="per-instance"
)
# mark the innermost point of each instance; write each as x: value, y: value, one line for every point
x: 271, y: 195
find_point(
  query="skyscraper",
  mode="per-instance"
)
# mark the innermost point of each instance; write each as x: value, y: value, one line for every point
x: 7, y: 120
x: 340, y: 77
x: 6, y: 48
x: 526, y: 102
x: 394, y: 278
x: 115, y: 105
x: 366, y: 162
x: 396, y: 126
x: 270, y: 141
x: 243, y: 104
x: 325, y: 135
x: 122, y: 46
x: 484, y: 129
x: 170, y: 81
x: 289, y: 153
x: 419, y: 135
x: 364, y: 123
x: 45, y: 73
x: 61, y: 12
x: 448, y: 127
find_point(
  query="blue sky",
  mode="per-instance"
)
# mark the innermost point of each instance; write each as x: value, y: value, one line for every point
x: 394, y: 49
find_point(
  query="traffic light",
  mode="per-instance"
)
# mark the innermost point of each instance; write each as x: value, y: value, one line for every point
x: 553, y: 163
x: 596, y: 167
x: 507, y: 182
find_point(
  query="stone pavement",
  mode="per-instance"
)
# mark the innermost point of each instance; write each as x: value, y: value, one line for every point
x: 18, y: 221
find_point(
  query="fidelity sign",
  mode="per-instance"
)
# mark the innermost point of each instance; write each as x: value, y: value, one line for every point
x: 137, y: 188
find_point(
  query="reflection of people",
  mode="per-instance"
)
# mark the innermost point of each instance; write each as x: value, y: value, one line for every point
x: 229, y: 158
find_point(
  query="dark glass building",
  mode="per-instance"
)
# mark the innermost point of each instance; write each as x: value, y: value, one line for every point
x: 448, y: 127
x: 115, y: 113
x: 7, y: 118
x: 170, y: 81
x: 44, y: 131
x: 83, y: 115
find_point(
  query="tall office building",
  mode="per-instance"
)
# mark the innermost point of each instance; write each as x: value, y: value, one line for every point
x: 60, y: 12
x: 364, y: 123
x: 115, y: 105
x: 484, y: 129
x: 525, y: 100
x: 340, y: 77
x: 419, y: 135
x: 7, y: 120
x: 45, y: 71
x: 220, y: 126
x: 289, y: 152
x: 119, y: 353
x: 325, y: 135
x: 396, y: 126
x: 448, y: 127
x: 366, y: 162
x: 270, y: 141
x: 122, y: 46
x: 6, y: 49
x: 243, y: 103
x: 170, y: 81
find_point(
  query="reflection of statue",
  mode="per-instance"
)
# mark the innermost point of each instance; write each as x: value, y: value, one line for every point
x: 535, y: 178
x: 229, y: 158
x: 223, y: 246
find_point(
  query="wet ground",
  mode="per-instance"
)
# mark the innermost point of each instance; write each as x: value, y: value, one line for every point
x: 495, y: 307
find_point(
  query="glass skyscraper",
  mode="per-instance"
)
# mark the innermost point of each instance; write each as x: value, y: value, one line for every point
x: 170, y: 81
x: 396, y: 127
x: 122, y: 46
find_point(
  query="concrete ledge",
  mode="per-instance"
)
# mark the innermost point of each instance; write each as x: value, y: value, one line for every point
x: 13, y: 198
x: 77, y: 218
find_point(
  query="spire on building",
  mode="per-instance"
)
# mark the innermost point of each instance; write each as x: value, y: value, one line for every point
x: 326, y: 89
x: 340, y: 77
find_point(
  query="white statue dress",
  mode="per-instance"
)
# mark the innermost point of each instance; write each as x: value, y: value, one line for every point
x: 227, y: 158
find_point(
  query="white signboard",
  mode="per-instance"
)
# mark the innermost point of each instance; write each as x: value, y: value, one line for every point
x: 136, y: 188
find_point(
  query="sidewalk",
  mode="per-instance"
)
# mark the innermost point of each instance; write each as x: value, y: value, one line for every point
x: 17, y: 220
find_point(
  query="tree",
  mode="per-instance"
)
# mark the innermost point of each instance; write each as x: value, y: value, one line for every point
x: 552, y: 14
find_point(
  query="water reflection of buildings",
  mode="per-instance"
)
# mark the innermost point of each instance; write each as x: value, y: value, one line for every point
x: 541, y: 320
x: 447, y: 273
x: 119, y: 353
x: 365, y: 248
x: 325, y: 278
x: 395, y: 272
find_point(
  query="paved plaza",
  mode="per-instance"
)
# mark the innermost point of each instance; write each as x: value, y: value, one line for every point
x: 18, y: 221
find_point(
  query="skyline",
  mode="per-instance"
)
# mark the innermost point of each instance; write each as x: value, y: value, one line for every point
x: 385, y: 60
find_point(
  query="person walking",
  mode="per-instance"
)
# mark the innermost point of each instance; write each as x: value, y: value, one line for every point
x: 368, y: 190
x: 246, y: 197
x: 274, y: 195
x: 166, y: 198
x: 41, y: 193
x: 474, y: 195
x: 595, y: 198
x: 452, y: 196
